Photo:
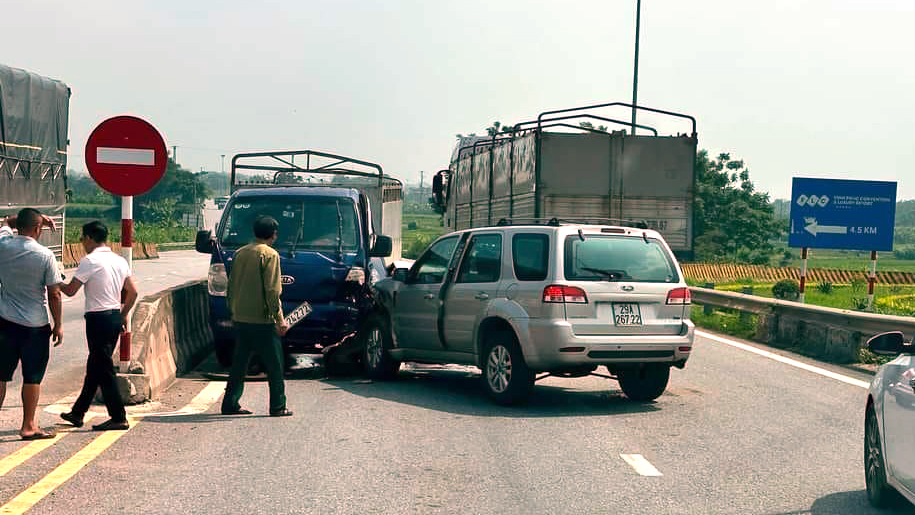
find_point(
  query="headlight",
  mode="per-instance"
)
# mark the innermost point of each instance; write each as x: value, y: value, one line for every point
x: 217, y: 280
x: 356, y: 275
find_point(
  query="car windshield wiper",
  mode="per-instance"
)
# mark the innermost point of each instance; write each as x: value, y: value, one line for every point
x: 611, y: 275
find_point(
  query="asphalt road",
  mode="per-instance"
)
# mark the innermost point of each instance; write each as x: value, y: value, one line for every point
x: 736, y: 433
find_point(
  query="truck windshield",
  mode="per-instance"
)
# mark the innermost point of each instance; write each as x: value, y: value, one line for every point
x: 617, y: 258
x: 306, y: 223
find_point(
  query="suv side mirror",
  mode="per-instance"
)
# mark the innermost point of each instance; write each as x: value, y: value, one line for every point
x: 400, y: 274
x: 886, y: 344
x: 204, y: 242
x: 383, y: 247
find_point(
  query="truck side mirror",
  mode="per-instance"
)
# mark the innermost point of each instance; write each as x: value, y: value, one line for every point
x: 887, y: 344
x: 400, y: 274
x: 204, y: 242
x: 383, y: 246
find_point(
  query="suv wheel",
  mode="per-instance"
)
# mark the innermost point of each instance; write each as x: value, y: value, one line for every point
x: 879, y: 492
x: 645, y: 383
x: 505, y: 374
x: 376, y: 341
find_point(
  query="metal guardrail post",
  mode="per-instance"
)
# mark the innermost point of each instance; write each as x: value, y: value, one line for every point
x: 745, y: 316
x: 708, y: 309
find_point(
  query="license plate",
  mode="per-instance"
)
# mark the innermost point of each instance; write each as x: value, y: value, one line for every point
x: 298, y: 314
x: 626, y: 314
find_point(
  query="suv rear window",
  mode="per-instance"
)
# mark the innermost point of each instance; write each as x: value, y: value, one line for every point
x: 531, y: 256
x: 618, y: 258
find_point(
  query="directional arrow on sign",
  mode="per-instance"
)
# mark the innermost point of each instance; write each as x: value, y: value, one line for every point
x: 814, y: 229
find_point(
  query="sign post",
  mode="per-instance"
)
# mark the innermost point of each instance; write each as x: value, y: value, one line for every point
x: 126, y: 156
x: 803, y: 281
x: 842, y: 214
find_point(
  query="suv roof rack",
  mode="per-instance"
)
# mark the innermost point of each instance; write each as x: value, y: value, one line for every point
x: 556, y: 222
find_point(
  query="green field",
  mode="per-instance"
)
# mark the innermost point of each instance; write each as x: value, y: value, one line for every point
x: 428, y: 227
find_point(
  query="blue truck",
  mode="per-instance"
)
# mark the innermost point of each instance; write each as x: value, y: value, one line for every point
x: 339, y: 230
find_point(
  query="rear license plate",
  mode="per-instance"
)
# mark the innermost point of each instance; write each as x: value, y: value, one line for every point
x: 626, y: 314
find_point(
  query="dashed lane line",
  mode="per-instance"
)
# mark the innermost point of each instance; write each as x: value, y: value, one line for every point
x: 788, y: 361
x: 640, y: 464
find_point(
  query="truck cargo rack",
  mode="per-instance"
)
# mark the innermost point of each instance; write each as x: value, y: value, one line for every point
x: 557, y: 222
x: 264, y: 162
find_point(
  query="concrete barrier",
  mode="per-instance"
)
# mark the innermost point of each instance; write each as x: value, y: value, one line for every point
x: 73, y: 252
x: 170, y: 336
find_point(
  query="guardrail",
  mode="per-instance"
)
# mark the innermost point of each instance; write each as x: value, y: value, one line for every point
x: 829, y: 333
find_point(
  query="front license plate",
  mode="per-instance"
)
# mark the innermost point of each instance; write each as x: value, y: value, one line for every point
x: 298, y: 314
x: 626, y: 314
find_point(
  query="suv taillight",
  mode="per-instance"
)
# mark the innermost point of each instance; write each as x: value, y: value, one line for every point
x: 557, y: 293
x: 679, y: 296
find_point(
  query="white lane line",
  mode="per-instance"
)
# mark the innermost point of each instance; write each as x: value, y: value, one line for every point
x: 640, y: 464
x: 788, y: 361
x: 198, y: 404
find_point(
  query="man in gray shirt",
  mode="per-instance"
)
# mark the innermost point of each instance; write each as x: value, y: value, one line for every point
x: 28, y: 271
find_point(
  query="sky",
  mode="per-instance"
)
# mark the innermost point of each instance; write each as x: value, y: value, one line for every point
x: 809, y: 88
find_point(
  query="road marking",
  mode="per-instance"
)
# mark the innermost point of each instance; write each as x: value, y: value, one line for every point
x: 30, y: 497
x: 788, y: 361
x: 34, y: 494
x: 198, y: 404
x: 640, y: 464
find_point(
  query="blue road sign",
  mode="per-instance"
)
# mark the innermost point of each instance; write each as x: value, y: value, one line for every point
x: 841, y: 214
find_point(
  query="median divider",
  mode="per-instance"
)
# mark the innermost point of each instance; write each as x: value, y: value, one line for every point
x: 170, y: 335
x: 830, y: 334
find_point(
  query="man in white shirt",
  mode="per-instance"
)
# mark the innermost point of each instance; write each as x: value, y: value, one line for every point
x: 29, y: 286
x: 110, y: 295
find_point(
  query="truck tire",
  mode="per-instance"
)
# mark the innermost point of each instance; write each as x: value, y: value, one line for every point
x: 645, y: 383
x: 506, y: 377
x: 376, y: 341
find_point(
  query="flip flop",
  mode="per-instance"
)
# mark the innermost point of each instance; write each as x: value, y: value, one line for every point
x: 40, y: 435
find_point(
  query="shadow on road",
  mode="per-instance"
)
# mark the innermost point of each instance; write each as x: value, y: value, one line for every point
x: 851, y: 503
x: 459, y: 391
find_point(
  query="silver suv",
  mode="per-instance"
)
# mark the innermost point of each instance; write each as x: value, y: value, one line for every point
x: 519, y: 300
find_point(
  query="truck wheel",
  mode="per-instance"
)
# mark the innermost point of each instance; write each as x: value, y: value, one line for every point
x: 224, y: 351
x: 645, y: 383
x: 376, y: 338
x: 505, y: 374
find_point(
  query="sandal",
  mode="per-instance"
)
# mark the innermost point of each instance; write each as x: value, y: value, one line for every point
x: 40, y: 435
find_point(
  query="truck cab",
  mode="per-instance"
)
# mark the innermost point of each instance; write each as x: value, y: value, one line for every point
x: 330, y: 255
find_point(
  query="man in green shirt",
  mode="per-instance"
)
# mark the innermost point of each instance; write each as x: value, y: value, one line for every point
x: 253, y: 298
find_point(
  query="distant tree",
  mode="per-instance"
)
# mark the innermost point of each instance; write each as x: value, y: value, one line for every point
x: 494, y: 129
x: 589, y: 125
x: 732, y: 221
x: 82, y: 189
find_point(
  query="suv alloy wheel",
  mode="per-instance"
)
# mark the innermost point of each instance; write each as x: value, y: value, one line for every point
x: 377, y: 340
x: 505, y: 374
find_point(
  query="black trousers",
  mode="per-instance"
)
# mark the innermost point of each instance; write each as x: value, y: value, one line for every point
x: 102, y: 331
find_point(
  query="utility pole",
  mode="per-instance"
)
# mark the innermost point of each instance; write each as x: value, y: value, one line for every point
x: 175, y: 154
x: 635, y: 71
x: 420, y: 179
x: 222, y: 170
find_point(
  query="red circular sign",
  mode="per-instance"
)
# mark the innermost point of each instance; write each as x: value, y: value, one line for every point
x: 126, y: 156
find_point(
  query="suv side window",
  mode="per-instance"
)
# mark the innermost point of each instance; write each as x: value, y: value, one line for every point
x: 483, y: 263
x: 433, y: 265
x: 531, y: 256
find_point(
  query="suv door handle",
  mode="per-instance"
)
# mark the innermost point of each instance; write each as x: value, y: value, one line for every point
x: 481, y: 296
x: 429, y: 296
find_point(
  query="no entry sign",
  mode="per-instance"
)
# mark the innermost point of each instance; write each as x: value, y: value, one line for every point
x: 126, y: 156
